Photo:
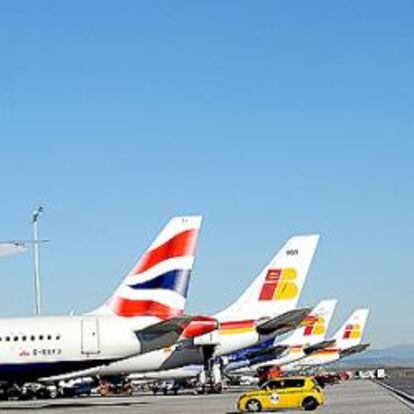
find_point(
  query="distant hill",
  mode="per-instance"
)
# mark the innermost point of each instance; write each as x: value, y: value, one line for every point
x: 395, y: 356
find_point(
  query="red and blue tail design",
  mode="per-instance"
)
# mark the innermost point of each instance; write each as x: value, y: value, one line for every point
x: 177, y: 280
x: 158, y: 284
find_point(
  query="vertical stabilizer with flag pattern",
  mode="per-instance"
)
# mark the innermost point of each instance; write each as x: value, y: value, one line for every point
x: 157, y: 285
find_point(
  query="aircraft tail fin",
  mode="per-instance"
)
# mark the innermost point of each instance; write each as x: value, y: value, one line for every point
x: 278, y: 287
x: 350, y: 333
x: 314, y: 327
x: 157, y: 285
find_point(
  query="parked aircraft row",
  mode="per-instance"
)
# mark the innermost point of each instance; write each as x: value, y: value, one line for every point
x: 305, y: 348
x: 142, y: 328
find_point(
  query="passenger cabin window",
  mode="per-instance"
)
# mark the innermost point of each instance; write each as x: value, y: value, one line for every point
x: 28, y: 338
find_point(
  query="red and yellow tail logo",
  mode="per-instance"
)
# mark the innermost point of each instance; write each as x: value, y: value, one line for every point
x: 279, y: 284
x: 314, y: 325
x: 352, y: 331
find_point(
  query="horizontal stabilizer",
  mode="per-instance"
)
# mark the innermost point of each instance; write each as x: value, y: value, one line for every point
x: 233, y: 366
x: 257, y: 357
x: 268, y: 353
x: 353, y: 350
x: 283, y: 323
x: 311, y: 349
x: 162, y: 334
x: 184, y: 354
x: 200, y: 325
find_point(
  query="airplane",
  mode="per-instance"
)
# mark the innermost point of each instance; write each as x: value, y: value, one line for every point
x: 347, y: 342
x: 144, y: 314
x: 304, y: 341
x: 8, y: 248
x: 265, y: 309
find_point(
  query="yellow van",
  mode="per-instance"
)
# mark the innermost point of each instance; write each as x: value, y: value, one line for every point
x: 287, y: 392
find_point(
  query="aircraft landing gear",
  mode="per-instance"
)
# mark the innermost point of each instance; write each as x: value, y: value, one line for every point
x: 10, y: 392
x: 211, y: 379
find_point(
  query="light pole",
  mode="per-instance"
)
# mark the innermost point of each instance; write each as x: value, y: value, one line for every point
x: 35, y: 219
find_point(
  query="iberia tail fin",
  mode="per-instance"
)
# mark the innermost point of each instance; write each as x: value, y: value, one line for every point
x: 350, y: 333
x: 314, y: 327
x: 277, y: 288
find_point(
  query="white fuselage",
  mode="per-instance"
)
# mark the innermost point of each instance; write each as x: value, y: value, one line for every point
x: 224, y: 340
x: 41, y: 346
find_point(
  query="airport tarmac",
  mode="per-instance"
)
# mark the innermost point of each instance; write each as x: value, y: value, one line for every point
x: 347, y: 398
x: 403, y: 384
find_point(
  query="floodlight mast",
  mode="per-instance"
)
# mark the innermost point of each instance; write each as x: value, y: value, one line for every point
x: 36, y: 260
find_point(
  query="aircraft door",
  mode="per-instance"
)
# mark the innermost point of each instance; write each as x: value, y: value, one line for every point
x: 90, y: 336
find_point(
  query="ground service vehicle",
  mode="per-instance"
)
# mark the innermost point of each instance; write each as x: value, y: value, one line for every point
x: 287, y: 392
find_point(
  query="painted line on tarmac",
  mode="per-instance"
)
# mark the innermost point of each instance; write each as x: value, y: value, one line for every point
x: 66, y: 403
x: 406, y: 399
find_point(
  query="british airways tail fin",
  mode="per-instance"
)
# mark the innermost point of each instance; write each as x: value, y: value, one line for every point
x: 278, y: 287
x: 157, y: 285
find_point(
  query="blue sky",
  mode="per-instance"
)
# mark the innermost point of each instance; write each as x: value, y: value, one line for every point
x: 269, y: 118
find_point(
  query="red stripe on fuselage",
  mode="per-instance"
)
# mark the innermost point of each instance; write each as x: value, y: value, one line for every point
x: 182, y: 244
x: 237, y: 324
x: 130, y: 308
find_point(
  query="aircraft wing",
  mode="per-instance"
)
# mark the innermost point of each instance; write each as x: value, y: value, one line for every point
x: 353, y: 350
x: 311, y: 349
x: 283, y: 323
x: 162, y: 334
